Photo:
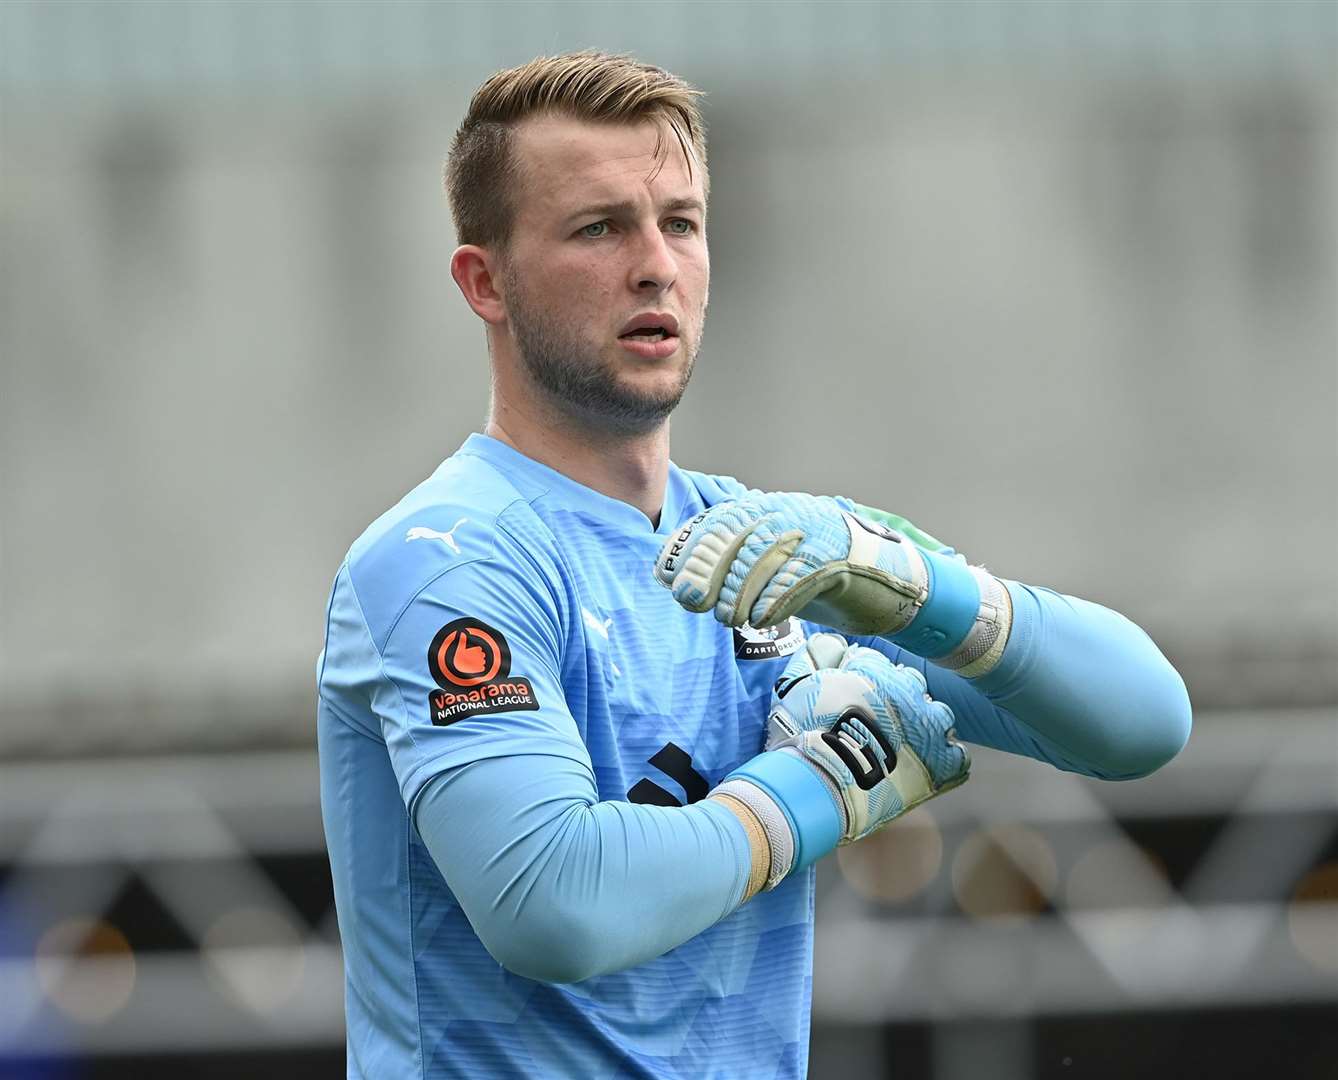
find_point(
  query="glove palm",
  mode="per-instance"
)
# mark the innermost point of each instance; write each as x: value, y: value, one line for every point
x: 869, y: 727
x: 761, y: 559
x: 764, y: 558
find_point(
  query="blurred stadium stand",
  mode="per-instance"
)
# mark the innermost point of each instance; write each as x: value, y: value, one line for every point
x: 228, y: 338
x: 183, y: 906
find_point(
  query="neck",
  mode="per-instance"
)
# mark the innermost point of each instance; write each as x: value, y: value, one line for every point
x: 630, y: 467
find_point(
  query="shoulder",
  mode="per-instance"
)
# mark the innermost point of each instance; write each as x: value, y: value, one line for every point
x: 714, y: 488
x: 467, y: 524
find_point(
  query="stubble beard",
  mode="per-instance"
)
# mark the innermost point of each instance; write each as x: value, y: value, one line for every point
x: 578, y: 381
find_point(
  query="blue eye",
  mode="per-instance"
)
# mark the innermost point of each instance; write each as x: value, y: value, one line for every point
x: 596, y: 229
x: 687, y: 226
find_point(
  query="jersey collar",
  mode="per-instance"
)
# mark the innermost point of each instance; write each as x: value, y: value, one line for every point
x: 534, y: 479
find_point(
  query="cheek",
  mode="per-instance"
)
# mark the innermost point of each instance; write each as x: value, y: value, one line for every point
x: 698, y: 277
x: 583, y: 282
x: 696, y: 261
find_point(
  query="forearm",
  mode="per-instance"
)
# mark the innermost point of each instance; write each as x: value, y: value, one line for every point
x: 560, y: 887
x: 1084, y: 678
x: 1058, y: 678
x: 1091, y: 682
x: 1078, y: 686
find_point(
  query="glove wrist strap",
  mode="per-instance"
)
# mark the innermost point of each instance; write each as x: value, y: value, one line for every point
x: 984, y: 645
x: 963, y: 622
x: 811, y: 813
x: 948, y: 612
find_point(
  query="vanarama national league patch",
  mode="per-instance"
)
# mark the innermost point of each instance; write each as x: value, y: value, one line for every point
x: 471, y: 662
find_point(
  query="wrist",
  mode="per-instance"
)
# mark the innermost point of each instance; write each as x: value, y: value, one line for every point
x: 952, y: 614
x: 963, y: 619
x: 947, y: 606
x: 759, y: 846
x: 983, y: 647
x: 802, y: 814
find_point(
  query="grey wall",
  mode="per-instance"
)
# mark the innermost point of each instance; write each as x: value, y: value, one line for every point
x: 1076, y: 318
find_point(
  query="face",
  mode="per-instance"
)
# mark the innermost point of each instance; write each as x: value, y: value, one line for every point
x: 606, y: 277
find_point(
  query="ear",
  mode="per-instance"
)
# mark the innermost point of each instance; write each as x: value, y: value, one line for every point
x: 475, y: 269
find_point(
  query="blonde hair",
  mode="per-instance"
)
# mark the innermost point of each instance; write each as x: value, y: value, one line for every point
x: 481, y: 172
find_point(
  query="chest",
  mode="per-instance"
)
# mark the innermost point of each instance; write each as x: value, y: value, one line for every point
x: 667, y: 701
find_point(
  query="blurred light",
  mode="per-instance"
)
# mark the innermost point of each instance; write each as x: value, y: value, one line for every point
x: 895, y: 863
x: 1312, y: 917
x: 256, y: 956
x: 1117, y: 875
x: 1005, y: 872
x: 86, y: 968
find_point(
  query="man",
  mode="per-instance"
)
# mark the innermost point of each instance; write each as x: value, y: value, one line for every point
x: 571, y: 818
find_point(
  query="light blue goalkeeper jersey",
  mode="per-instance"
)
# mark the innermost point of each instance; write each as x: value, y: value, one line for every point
x: 518, y: 727
x: 503, y: 610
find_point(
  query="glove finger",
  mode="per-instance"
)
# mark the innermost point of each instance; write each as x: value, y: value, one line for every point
x: 884, y: 674
x: 866, y: 658
x: 792, y: 586
x: 801, y: 663
x: 945, y: 758
x: 782, y: 723
x: 943, y: 720
x: 675, y: 550
x: 694, y: 563
x: 957, y: 764
x: 827, y: 650
x: 800, y: 580
x: 755, y: 560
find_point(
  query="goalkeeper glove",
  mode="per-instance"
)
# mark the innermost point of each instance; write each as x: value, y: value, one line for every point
x: 853, y: 742
x: 763, y: 558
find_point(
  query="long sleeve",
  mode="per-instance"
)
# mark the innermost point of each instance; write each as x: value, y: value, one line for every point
x: 560, y: 887
x: 1079, y: 686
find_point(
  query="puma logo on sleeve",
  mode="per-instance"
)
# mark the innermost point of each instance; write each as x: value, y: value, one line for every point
x: 421, y: 532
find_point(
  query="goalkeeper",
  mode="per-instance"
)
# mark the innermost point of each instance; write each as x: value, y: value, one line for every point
x: 586, y: 719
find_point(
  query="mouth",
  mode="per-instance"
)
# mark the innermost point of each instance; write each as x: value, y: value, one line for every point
x: 650, y: 333
x: 653, y: 336
x: 649, y: 343
x: 650, y: 326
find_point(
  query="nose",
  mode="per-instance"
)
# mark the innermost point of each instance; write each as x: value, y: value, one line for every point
x: 655, y: 269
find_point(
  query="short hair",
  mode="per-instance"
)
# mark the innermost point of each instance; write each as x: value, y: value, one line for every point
x: 481, y: 171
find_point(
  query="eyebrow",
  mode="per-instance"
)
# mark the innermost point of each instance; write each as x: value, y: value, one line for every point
x: 627, y: 208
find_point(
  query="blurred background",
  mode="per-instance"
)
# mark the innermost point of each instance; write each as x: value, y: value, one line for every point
x: 1105, y: 232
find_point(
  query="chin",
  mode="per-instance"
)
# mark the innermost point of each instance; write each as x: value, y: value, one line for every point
x: 664, y: 389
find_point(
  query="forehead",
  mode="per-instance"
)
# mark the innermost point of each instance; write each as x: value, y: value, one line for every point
x: 565, y: 162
